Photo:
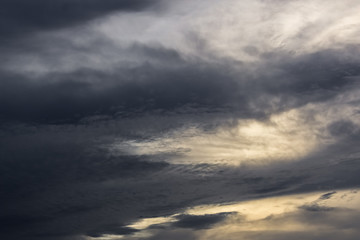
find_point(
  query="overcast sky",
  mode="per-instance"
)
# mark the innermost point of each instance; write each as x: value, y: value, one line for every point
x: 183, y: 119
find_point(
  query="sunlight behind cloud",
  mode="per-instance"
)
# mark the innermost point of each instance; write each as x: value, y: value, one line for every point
x: 288, y: 136
x: 285, y: 214
x: 180, y: 119
x: 284, y: 137
x: 147, y: 222
x: 243, y: 30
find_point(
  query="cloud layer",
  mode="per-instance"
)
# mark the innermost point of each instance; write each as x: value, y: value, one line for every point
x: 182, y: 120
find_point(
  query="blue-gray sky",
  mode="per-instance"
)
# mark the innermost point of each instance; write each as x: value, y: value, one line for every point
x: 191, y: 119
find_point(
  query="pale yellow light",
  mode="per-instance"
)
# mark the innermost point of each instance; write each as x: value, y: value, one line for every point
x: 147, y: 222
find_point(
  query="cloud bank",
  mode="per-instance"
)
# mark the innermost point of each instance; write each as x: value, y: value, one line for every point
x: 179, y: 120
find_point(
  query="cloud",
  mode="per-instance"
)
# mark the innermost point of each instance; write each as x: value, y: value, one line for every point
x: 199, y: 221
x: 342, y: 128
x: 71, y: 96
x: 275, y: 217
x: 108, y: 127
x: 327, y: 195
x: 58, y: 181
x: 20, y: 17
x: 316, y: 208
x: 115, y: 230
x: 176, y: 235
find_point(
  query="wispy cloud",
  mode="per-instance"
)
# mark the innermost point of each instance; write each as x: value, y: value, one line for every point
x: 179, y: 119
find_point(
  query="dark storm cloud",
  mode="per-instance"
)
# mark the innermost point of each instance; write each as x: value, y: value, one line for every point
x: 280, y: 185
x: 317, y: 205
x: 310, y: 221
x: 199, y: 221
x: 297, y: 80
x: 45, y: 163
x: 19, y: 17
x: 114, y: 230
x: 105, y: 204
x: 316, y: 208
x: 175, y: 84
x: 327, y: 195
x: 57, y: 182
x: 53, y: 195
x: 70, y: 99
x: 343, y: 128
x: 174, y: 235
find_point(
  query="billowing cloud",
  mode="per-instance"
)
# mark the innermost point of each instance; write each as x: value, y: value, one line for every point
x: 179, y: 120
x: 272, y: 218
x: 20, y: 17
x: 199, y: 222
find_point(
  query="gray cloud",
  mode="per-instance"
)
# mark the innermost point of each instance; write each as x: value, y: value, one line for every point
x: 343, y: 128
x: 175, y: 234
x: 316, y: 208
x: 63, y: 103
x: 59, y: 183
x: 19, y: 17
x: 199, y: 221
x: 327, y: 195
x: 299, y: 223
x: 68, y: 97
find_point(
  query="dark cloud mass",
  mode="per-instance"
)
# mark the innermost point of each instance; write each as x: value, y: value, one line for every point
x: 199, y: 222
x: 19, y: 17
x: 151, y: 125
x: 69, y: 97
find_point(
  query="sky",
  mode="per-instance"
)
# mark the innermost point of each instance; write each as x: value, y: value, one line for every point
x: 183, y: 119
